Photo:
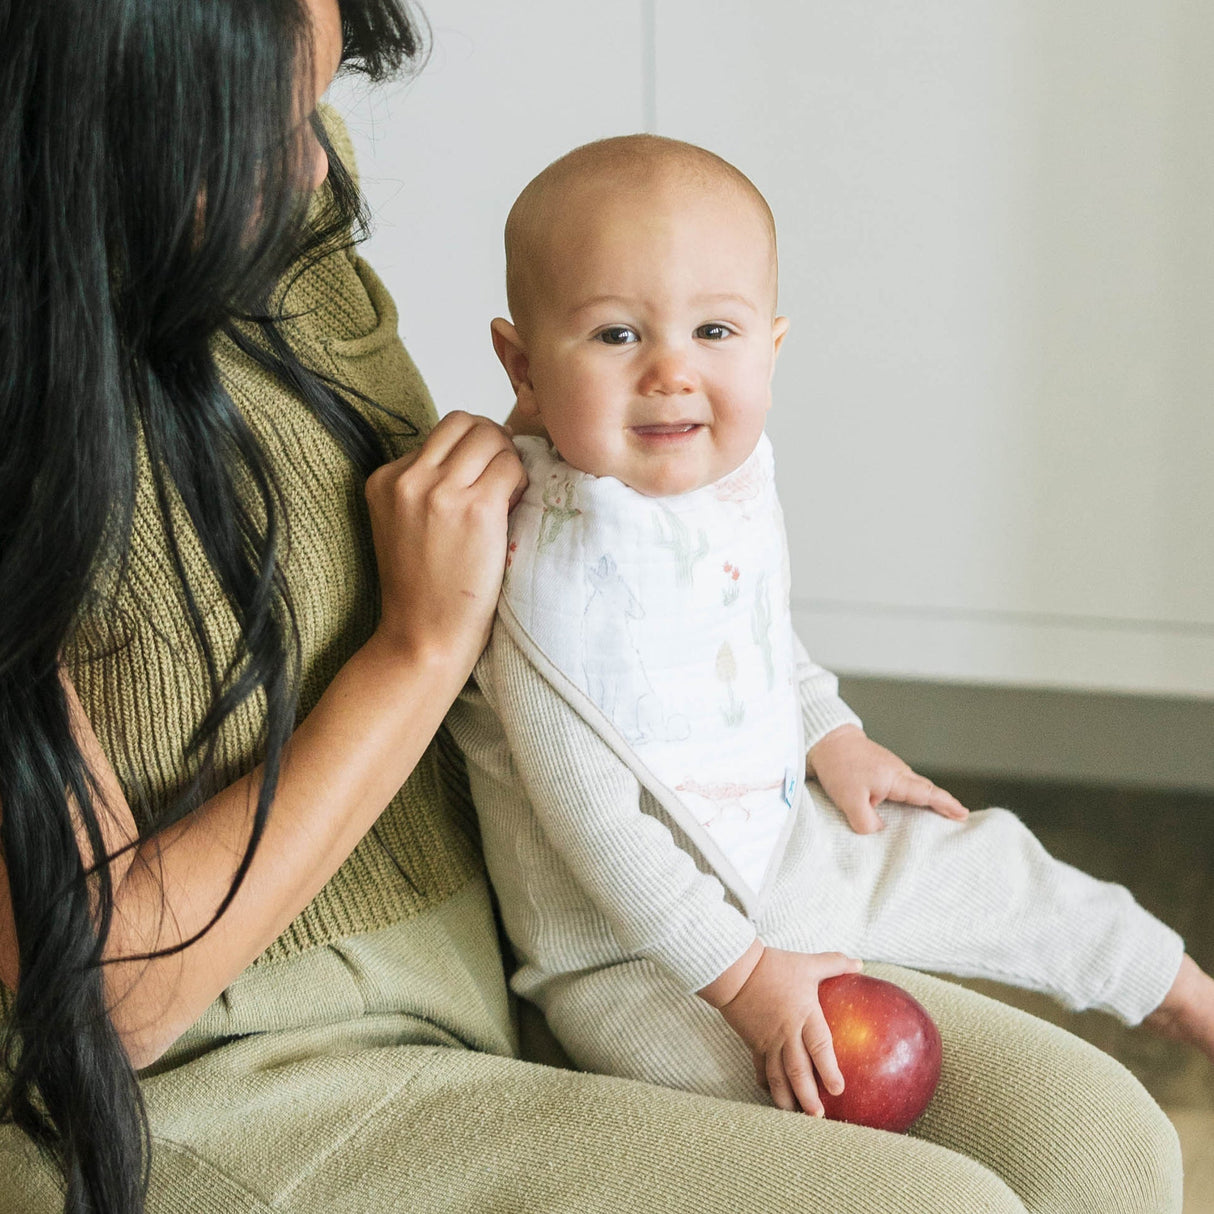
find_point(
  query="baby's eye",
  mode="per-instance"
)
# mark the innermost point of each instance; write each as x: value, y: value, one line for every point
x: 714, y: 332
x: 617, y: 335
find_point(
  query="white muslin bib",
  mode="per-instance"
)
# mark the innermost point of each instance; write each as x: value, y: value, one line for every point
x: 664, y: 622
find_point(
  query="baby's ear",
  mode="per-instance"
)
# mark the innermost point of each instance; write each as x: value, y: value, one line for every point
x: 779, y: 327
x: 513, y: 356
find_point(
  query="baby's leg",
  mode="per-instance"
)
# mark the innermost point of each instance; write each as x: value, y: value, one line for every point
x: 1065, y: 1127
x: 634, y: 1021
x: 980, y: 898
x: 1187, y: 1011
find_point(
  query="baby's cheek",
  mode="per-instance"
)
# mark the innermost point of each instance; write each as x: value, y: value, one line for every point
x: 585, y: 448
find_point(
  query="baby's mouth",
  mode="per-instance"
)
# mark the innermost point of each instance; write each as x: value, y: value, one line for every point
x: 673, y: 428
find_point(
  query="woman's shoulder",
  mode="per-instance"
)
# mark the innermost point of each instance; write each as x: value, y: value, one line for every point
x: 341, y: 320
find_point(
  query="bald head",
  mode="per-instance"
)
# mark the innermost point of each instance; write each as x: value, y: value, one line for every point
x: 631, y: 170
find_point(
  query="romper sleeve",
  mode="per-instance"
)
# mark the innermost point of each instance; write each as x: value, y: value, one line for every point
x: 559, y: 808
x: 822, y: 709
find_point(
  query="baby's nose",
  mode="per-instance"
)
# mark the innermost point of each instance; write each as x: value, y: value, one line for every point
x: 668, y: 373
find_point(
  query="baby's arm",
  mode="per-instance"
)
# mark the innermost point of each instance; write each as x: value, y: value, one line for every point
x: 855, y: 772
x: 586, y: 804
x: 769, y: 997
x: 573, y: 820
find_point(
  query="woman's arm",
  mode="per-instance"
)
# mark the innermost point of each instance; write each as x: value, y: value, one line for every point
x: 443, y: 512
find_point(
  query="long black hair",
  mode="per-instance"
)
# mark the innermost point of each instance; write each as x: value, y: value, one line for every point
x: 151, y: 199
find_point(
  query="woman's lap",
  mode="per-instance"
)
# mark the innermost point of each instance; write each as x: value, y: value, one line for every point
x: 353, y: 1115
x: 1066, y: 1126
x: 349, y: 1122
x: 343, y: 1118
x: 421, y: 1128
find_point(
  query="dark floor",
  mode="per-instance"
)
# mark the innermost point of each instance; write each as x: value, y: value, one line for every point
x: 1160, y: 845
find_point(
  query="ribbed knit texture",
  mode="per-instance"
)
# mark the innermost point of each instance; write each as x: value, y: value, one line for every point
x: 593, y: 878
x: 821, y: 708
x: 137, y: 669
x: 364, y: 1110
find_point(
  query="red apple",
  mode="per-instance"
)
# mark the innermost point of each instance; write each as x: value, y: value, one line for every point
x: 888, y: 1049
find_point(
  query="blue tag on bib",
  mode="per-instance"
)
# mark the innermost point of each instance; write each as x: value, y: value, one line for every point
x: 790, y: 787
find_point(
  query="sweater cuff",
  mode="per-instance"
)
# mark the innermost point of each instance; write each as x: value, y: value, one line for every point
x: 1138, y: 985
x: 703, y: 951
x: 818, y: 690
x: 820, y: 715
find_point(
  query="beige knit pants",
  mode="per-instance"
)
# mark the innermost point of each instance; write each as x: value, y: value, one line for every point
x: 304, y: 1091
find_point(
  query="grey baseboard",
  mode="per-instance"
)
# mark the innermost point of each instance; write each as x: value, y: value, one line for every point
x: 1090, y: 738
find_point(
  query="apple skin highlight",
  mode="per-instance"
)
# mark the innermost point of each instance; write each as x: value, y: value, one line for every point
x: 888, y: 1049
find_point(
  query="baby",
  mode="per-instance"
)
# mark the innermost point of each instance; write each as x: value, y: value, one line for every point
x: 674, y: 800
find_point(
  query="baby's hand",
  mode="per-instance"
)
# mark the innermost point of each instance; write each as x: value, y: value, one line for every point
x: 778, y: 1015
x: 857, y: 775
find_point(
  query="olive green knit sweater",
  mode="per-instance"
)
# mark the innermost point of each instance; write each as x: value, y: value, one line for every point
x: 136, y: 665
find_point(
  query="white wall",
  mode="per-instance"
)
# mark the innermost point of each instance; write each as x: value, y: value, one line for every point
x: 997, y: 247
x: 507, y: 89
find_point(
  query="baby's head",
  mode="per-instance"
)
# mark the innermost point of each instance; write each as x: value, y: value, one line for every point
x: 641, y: 278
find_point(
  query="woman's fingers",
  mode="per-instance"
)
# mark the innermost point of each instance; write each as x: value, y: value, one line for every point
x: 438, y: 521
x: 463, y: 455
x: 474, y: 454
x: 465, y: 460
x: 446, y: 435
x: 505, y: 474
x: 455, y: 453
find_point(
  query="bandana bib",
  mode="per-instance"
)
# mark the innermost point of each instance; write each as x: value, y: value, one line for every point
x: 664, y: 622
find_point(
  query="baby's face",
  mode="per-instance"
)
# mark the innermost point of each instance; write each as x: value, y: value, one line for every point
x: 651, y: 337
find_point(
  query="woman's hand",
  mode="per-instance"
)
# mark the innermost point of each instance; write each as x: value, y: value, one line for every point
x: 777, y: 1014
x: 438, y: 518
x: 439, y: 525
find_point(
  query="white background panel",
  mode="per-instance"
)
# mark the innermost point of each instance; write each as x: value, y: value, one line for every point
x: 993, y: 417
x: 997, y: 253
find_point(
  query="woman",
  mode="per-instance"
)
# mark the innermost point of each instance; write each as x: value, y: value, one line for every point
x: 248, y: 945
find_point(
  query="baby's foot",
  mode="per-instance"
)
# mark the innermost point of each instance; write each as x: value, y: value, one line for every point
x: 1187, y: 1012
